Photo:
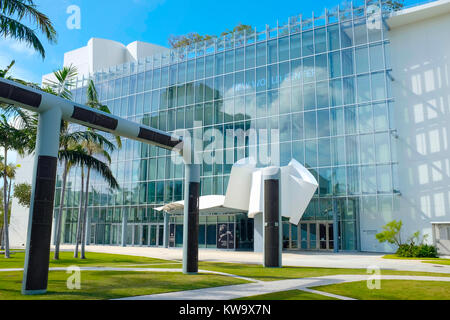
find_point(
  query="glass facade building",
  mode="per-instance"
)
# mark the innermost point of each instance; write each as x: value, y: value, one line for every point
x: 322, y: 82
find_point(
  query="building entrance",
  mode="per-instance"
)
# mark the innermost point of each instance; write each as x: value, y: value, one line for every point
x: 315, y: 236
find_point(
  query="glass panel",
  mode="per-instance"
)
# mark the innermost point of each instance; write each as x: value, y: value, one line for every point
x: 335, y: 64
x: 294, y: 236
x: 145, y: 237
x: 312, y: 236
x: 202, y: 235
x: 211, y: 238
x: 286, y: 237
x: 304, y: 236
x: 347, y: 62
x: 320, y: 40
x: 364, y: 93
x: 362, y: 59
x: 333, y: 37
x: 331, y: 236
x: 153, y: 235
x: 360, y: 32
x: 323, y: 236
x: 307, y: 43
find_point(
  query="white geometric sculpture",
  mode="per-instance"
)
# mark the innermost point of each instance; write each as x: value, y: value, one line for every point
x: 245, y: 190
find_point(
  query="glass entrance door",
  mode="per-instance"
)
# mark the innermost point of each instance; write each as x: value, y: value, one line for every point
x: 316, y: 236
x: 145, y: 237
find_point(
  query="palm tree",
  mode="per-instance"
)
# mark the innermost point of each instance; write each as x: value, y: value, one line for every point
x: 11, y: 174
x: 11, y: 170
x: 12, y: 12
x: 10, y: 138
x: 93, y: 150
x: 71, y: 152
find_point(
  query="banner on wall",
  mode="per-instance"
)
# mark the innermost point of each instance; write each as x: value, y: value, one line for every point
x: 172, y: 236
x: 225, y: 236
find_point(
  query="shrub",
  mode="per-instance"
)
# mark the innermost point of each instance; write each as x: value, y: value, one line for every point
x: 426, y: 251
x: 415, y: 247
x: 391, y: 233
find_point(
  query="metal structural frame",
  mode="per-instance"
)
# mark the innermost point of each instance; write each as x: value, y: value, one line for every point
x: 52, y: 110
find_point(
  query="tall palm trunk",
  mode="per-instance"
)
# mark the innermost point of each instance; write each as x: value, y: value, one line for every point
x: 79, y: 220
x: 84, y: 219
x: 59, y: 216
x: 9, y: 191
x: 5, y: 207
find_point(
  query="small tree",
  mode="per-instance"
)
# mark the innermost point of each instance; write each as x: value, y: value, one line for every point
x: 22, y: 192
x: 395, y: 5
x: 391, y: 233
x: 194, y: 37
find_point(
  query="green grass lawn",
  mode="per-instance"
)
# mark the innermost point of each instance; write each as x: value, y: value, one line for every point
x: 112, y: 285
x: 392, y: 290
x: 289, y: 295
x: 445, y: 262
x: 93, y: 260
x: 260, y: 273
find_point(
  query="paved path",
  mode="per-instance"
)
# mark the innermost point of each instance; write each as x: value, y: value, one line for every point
x: 254, y: 289
x: 294, y: 259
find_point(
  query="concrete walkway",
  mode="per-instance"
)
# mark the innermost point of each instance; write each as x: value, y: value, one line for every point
x: 294, y: 259
x: 260, y: 288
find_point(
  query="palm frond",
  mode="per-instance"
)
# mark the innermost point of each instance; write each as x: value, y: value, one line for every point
x: 27, y: 9
x: 4, y: 72
x: 81, y: 158
x: 86, y: 137
x: 65, y: 81
x: 16, y: 30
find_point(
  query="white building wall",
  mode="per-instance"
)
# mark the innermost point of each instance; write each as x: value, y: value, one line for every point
x: 19, y: 214
x: 420, y: 50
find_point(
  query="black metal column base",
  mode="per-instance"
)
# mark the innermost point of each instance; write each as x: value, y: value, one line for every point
x: 192, y: 229
x: 38, y: 252
x: 272, y: 224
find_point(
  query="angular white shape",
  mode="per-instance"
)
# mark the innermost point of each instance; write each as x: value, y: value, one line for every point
x: 245, y: 192
x: 256, y: 205
x: 298, y: 186
x: 239, y: 186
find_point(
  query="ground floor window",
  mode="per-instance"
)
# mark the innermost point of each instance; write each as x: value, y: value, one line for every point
x: 228, y: 232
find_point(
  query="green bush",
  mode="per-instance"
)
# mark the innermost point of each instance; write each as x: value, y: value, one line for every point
x: 412, y: 250
x: 415, y: 246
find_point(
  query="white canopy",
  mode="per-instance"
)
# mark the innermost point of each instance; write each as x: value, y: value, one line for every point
x: 208, y: 204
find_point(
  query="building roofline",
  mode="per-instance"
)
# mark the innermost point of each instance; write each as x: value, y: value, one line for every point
x: 418, y: 13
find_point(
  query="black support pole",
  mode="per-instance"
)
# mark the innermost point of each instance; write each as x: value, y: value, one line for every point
x: 272, y: 218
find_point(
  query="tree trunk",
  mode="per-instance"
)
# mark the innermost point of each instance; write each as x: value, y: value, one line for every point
x: 80, y: 208
x: 59, y: 216
x: 9, y: 192
x: 5, y: 206
x: 84, y: 218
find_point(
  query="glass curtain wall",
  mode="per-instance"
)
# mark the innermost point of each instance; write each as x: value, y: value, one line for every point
x: 323, y: 83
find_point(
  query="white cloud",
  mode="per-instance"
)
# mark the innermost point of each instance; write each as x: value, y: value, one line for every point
x: 18, y: 71
x: 18, y: 47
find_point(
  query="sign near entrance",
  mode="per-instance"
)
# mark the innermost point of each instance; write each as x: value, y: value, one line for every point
x: 225, y: 236
x: 172, y: 236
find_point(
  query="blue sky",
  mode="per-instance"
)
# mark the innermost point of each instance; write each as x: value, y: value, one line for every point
x: 146, y: 20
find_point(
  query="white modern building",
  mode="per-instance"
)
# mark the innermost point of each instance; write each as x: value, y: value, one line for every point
x: 359, y: 95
